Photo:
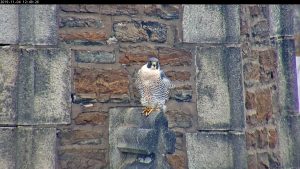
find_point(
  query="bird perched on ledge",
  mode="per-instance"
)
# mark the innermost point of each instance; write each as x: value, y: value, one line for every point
x: 153, y: 86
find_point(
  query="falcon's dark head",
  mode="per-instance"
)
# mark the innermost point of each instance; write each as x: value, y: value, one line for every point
x: 153, y: 63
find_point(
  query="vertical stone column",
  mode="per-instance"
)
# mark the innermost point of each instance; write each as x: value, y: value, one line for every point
x: 214, y: 31
x: 34, y: 86
x: 282, y: 37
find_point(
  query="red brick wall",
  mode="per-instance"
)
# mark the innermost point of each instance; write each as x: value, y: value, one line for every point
x: 260, y: 88
x: 140, y: 30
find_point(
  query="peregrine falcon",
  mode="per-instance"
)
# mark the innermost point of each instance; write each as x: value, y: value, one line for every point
x: 153, y: 85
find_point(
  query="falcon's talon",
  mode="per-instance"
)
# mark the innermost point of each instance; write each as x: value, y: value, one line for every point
x: 145, y: 111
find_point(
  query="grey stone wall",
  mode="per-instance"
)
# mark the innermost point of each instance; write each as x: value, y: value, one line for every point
x: 34, y: 86
x: 283, y: 39
x: 219, y: 86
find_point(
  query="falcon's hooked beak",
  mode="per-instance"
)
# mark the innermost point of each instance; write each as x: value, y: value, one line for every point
x: 154, y: 65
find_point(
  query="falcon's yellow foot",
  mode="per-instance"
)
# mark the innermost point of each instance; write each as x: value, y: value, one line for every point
x: 150, y: 110
x: 145, y: 111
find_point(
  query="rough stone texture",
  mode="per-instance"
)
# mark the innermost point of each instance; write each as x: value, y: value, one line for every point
x: 116, y: 10
x: 106, y: 84
x: 36, y: 148
x: 137, y: 31
x: 163, y: 11
x: 77, y: 22
x: 44, y: 86
x: 94, y: 57
x: 264, y: 105
x: 94, y: 118
x: 84, y: 36
x: 281, y: 20
x: 174, y: 57
x: 137, y: 139
x: 200, y: 19
x: 217, y: 90
x: 38, y: 25
x: 8, y: 147
x: 215, y: 150
x: 9, y: 27
x: 287, y: 75
x: 9, y: 61
x: 82, y: 158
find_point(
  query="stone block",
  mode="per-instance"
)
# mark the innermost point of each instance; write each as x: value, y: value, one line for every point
x: 44, y: 89
x: 36, y: 148
x: 38, y: 24
x: 7, y: 148
x: 281, y: 20
x: 216, y: 150
x: 219, y: 88
x: 94, y: 56
x: 137, y: 141
x: 9, y: 27
x: 222, y: 20
x: 287, y: 75
x: 9, y: 60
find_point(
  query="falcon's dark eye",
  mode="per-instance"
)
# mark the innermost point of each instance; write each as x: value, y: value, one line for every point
x: 149, y: 64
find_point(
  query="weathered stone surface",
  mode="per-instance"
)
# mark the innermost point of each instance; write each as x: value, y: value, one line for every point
x: 94, y: 118
x: 9, y: 27
x: 219, y: 88
x: 136, y: 54
x: 272, y: 138
x: 250, y: 102
x: 287, y: 76
x: 177, y: 161
x: 251, y: 140
x: 251, y: 71
x: 70, y: 8
x: 252, y: 161
x: 281, y: 20
x: 274, y: 160
x: 182, y: 94
x: 212, y: 89
x: 101, y: 81
x: 8, y: 148
x: 178, y: 75
x: 84, y: 35
x: 38, y: 24
x: 78, y: 22
x: 36, y: 148
x: 44, y: 86
x: 179, y: 119
x: 94, y: 56
x: 84, y: 136
x: 116, y: 10
x: 137, y: 139
x: 264, y: 104
x: 215, y: 150
x: 156, y: 31
x: 262, y: 138
x: 163, y: 11
x: 137, y: 31
x: 220, y: 19
x: 9, y: 61
x: 174, y: 56
x: 263, y: 161
x: 130, y: 31
x: 82, y: 158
